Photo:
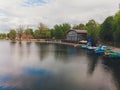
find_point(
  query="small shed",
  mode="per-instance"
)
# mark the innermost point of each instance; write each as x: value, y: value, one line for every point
x: 76, y: 35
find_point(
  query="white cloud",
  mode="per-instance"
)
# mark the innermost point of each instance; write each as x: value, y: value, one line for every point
x: 14, y: 12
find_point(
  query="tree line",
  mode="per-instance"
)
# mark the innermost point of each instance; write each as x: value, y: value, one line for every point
x: 42, y: 32
x: 57, y: 32
x: 108, y: 31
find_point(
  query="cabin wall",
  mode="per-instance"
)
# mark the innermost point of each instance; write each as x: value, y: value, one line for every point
x: 74, y: 36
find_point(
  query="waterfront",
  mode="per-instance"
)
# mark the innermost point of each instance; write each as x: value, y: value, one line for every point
x: 37, y: 66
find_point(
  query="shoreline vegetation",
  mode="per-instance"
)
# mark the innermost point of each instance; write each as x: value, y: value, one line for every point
x: 113, y: 48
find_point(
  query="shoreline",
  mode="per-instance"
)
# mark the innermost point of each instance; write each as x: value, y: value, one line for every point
x: 47, y: 42
x: 114, y: 49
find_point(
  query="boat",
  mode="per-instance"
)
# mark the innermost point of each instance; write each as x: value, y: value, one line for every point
x: 83, y: 42
x: 113, y: 55
x: 91, y: 47
x: 101, y: 49
x: 86, y: 46
x: 107, y: 52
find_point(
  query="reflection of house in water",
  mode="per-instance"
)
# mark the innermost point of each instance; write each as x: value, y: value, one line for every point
x: 76, y: 35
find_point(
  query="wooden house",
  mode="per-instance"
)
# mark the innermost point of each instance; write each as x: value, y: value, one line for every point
x: 76, y: 35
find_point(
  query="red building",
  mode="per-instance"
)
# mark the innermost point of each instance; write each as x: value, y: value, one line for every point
x: 24, y: 36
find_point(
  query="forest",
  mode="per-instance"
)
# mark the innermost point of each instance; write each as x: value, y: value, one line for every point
x: 107, y: 32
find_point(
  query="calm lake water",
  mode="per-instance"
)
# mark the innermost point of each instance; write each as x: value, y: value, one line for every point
x: 35, y: 66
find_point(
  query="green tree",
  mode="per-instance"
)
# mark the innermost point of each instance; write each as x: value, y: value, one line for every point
x: 52, y: 31
x: 0, y: 36
x: 3, y: 35
x: 80, y: 27
x: 116, y: 27
x: 106, y: 32
x: 48, y: 34
x: 12, y: 34
x: 28, y: 31
x: 7, y: 35
x: 92, y: 28
x: 61, y: 30
x: 59, y: 34
x: 42, y: 30
x: 65, y: 28
x: 37, y: 34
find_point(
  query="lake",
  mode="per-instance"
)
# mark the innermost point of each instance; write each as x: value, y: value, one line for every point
x: 36, y: 66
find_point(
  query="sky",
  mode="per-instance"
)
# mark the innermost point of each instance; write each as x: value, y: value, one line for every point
x: 50, y: 12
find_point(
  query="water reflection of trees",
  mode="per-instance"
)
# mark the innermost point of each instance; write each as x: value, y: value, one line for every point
x: 43, y: 50
x: 113, y: 66
x: 59, y: 52
x: 17, y: 50
x: 92, y: 62
x: 28, y: 46
x: 12, y: 47
x: 20, y: 50
x: 63, y: 52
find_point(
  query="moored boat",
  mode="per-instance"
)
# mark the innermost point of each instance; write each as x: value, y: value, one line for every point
x: 86, y: 46
x: 113, y: 55
x: 91, y: 47
x: 101, y: 49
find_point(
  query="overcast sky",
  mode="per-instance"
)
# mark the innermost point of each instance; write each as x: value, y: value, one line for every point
x: 51, y: 12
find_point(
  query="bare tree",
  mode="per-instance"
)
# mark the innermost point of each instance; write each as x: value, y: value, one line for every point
x: 20, y: 31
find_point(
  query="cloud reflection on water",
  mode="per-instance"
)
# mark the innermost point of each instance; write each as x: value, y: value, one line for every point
x: 35, y: 66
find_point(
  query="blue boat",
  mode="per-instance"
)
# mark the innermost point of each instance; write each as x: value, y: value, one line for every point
x: 101, y: 49
x: 91, y: 45
x: 119, y: 55
x: 91, y: 48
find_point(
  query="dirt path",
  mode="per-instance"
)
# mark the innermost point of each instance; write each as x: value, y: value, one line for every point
x: 114, y: 49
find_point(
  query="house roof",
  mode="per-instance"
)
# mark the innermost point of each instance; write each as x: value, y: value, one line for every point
x: 79, y: 31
